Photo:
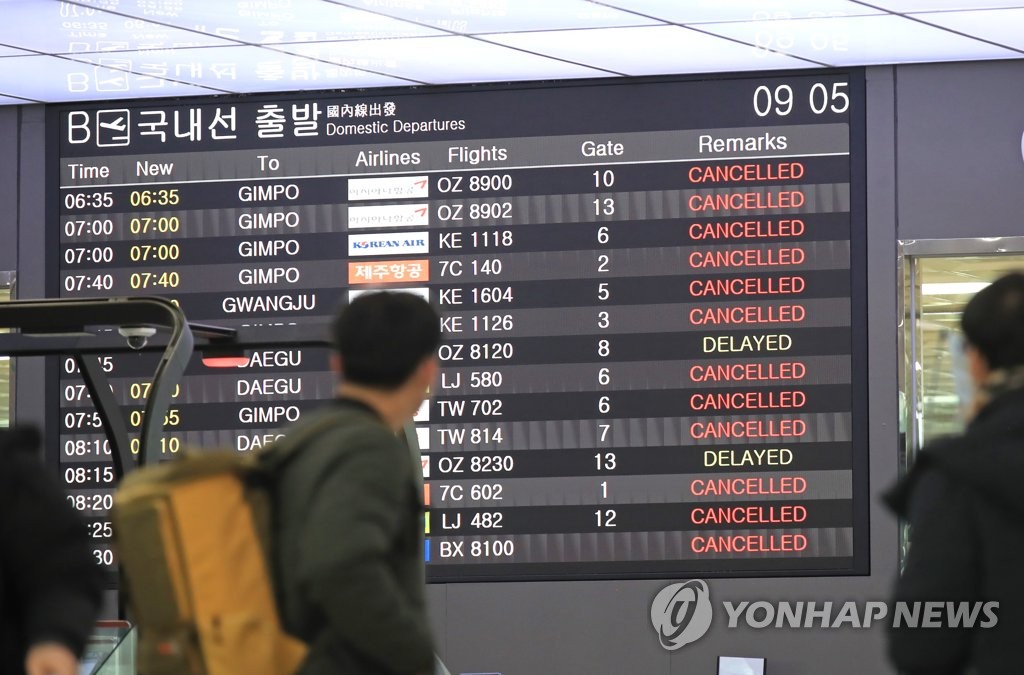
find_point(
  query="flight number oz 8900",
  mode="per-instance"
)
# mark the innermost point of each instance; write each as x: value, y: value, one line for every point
x: 477, y: 492
x: 489, y: 182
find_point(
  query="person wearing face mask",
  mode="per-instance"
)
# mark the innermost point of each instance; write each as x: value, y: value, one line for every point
x: 964, y: 501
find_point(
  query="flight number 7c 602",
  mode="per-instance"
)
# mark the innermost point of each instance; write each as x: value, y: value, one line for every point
x: 477, y: 492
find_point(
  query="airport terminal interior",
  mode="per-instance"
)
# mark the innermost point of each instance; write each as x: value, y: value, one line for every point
x: 700, y: 266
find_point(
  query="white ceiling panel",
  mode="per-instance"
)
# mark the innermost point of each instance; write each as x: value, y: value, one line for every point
x: 59, y: 27
x: 179, y: 47
x: 443, y: 60
x: 262, y: 22
x: 904, y: 6
x: 709, y: 11
x: 861, y: 40
x: 51, y: 78
x: 649, y: 51
x: 1003, y: 26
x: 501, y: 16
x: 245, y: 69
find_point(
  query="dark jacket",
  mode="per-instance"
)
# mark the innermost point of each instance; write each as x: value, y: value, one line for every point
x: 349, y: 549
x: 49, y: 584
x: 964, y: 499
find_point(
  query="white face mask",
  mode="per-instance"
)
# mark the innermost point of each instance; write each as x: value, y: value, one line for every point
x: 963, y: 384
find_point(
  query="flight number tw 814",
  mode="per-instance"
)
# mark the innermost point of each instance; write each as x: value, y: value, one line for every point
x: 474, y: 435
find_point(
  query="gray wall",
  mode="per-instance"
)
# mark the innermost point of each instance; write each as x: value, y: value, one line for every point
x: 9, y: 188
x: 30, y: 240
x: 944, y: 160
x: 959, y: 144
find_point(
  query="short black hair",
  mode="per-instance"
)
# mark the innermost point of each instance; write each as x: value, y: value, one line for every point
x: 993, y: 322
x: 383, y: 336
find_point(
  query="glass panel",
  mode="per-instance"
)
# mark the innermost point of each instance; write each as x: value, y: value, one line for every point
x: 944, y: 285
x: 111, y: 650
x: 936, y: 288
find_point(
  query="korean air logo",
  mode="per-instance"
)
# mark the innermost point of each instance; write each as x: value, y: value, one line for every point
x: 681, y: 613
x: 389, y: 243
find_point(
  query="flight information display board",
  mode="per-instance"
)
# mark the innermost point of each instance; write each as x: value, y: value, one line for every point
x: 652, y: 297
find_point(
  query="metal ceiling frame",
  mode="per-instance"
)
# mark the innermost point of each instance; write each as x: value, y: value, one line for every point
x: 71, y: 326
x: 60, y: 327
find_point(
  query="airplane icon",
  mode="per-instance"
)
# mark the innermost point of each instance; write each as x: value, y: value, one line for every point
x: 112, y: 127
x: 120, y: 124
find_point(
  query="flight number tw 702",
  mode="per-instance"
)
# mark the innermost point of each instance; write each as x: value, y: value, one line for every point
x: 488, y: 407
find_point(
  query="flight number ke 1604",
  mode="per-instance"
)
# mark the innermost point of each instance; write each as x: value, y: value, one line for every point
x: 488, y: 295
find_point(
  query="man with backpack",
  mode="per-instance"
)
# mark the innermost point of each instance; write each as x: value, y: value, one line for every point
x: 49, y: 583
x: 348, y: 521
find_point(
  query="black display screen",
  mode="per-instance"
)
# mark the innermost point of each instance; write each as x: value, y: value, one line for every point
x: 652, y: 292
